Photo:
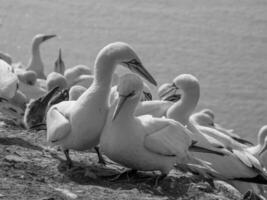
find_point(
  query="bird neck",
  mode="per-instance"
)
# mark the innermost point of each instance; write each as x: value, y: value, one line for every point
x: 128, y: 110
x: 182, y: 109
x: 101, y: 86
x: 35, y: 60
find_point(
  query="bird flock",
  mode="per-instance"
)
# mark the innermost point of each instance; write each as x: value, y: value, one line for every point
x: 83, y: 109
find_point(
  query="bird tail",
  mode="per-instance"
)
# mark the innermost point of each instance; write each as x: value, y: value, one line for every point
x: 198, y: 167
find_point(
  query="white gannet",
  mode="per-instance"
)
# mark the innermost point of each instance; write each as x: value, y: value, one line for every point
x: 55, y: 79
x: 35, y: 62
x: 206, y: 118
x: 77, y: 74
x: 6, y: 57
x: 259, y: 150
x: 143, y: 142
x: 59, y: 64
x: 247, y: 167
x: 78, y: 124
x: 28, y: 77
x: 8, y: 81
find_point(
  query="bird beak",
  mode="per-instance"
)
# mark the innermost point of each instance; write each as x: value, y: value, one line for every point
x: 263, y: 149
x: 49, y: 96
x: 171, y: 89
x: 122, y: 100
x: 148, y: 96
x: 47, y: 37
x: 141, y: 70
x: 173, y: 98
x: 61, y: 96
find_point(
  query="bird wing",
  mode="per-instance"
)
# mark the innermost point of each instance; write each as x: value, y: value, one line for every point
x: 31, y: 91
x: 58, y: 125
x: 154, y: 108
x: 165, y: 136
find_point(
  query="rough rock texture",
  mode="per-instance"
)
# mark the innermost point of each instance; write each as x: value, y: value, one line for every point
x: 29, y: 169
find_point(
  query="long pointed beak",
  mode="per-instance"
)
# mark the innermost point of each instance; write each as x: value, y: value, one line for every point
x: 141, y: 70
x: 263, y: 149
x: 62, y: 96
x: 47, y: 37
x: 122, y: 100
x: 172, y: 88
x: 173, y: 98
x: 49, y: 95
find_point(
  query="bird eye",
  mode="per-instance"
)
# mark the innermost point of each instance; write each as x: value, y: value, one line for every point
x: 133, y: 62
x: 131, y: 94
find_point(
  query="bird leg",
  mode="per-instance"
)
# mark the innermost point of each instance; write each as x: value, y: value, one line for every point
x: 69, y: 161
x: 158, y: 179
x: 127, y: 173
x: 250, y: 195
x: 100, y: 157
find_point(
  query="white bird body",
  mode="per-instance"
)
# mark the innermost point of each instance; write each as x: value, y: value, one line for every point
x: 156, y: 108
x: 77, y: 73
x: 55, y: 79
x: 31, y: 91
x: 8, y: 81
x: 80, y: 122
x: 246, y: 166
x: 259, y: 150
x: 206, y: 118
x: 137, y: 143
x: 143, y: 142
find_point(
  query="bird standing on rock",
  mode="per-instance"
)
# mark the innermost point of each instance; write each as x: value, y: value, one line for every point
x: 78, y: 124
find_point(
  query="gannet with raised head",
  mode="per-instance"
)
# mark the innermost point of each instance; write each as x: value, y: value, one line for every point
x: 35, y: 62
x: 143, y: 142
x: 247, y: 167
x: 259, y: 150
x: 78, y: 124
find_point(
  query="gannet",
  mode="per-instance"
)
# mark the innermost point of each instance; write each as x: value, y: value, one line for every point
x: 247, y: 167
x: 143, y: 142
x: 76, y: 91
x: 28, y: 77
x: 259, y: 150
x: 55, y: 79
x: 35, y: 62
x: 78, y: 124
x: 8, y: 81
x: 206, y: 118
x: 77, y: 74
